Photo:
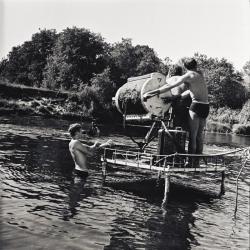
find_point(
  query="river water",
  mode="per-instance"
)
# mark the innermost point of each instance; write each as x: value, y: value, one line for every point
x: 44, y: 207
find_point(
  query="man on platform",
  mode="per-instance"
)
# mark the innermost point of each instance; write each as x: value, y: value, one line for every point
x: 199, y: 108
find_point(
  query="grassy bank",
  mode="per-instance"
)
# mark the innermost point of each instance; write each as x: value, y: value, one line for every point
x: 225, y: 120
x: 23, y: 100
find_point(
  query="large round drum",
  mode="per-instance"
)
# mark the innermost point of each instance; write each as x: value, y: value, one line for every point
x: 129, y: 97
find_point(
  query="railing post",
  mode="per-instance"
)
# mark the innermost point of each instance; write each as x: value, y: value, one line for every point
x: 126, y: 158
x: 222, y: 187
x: 104, y: 171
x: 166, y: 190
x: 138, y: 162
x: 115, y: 157
x: 151, y: 161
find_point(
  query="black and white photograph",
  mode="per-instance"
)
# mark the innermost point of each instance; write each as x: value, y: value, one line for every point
x: 124, y: 124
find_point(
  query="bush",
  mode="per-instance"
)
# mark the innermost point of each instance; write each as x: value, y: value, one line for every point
x: 243, y: 129
x: 224, y: 115
x: 218, y: 127
x: 244, y: 116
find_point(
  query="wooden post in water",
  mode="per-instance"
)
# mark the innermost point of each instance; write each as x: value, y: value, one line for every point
x: 166, y: 190
x: 104, y: 171
x: 222, y: 187
x: 158, y: 179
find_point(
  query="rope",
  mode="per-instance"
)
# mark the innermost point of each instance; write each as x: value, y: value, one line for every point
x: 245, y: 157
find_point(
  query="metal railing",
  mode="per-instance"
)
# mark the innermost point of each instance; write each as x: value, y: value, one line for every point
x: 176, y: 161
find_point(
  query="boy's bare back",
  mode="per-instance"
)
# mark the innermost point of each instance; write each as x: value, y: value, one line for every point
x: 197, y: 86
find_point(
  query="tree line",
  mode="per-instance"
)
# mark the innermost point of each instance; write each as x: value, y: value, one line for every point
x: 82, y: 62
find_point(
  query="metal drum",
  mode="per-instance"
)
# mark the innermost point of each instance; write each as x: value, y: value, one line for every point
x: 129, y: 97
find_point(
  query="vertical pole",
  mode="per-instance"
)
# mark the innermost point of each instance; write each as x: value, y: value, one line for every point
x: 222, y: 187
x: 159, y: 176
x: 166, y: 190
x: 104, y: 171
x: 158, y: 179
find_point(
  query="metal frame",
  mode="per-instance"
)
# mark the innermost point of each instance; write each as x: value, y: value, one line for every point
x: 165, y: 165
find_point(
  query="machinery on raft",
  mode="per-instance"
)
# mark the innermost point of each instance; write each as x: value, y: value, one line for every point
x: 170, y: 156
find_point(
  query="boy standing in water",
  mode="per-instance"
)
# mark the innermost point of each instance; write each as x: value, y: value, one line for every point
x: 80, y: 151
x: 199, y: 108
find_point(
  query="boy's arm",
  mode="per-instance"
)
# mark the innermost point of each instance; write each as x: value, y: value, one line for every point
x: 167, y: 87
x: 84, y: 148
x: 185, y: 93
x: 108, y: 143
x: 98, y: 145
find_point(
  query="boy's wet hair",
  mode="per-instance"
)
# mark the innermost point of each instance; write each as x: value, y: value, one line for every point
x: 190, y: 63
x: 73, y: 128
x: 175, y: 70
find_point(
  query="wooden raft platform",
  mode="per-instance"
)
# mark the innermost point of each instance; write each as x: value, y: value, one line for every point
x: 165, y: 165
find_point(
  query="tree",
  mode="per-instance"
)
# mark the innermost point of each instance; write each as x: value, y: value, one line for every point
x: 246, y: 75
x: 246, y: 68
x: 78, y: 55
x: 97, y: 96
x: 224, y: 83
x: 25, y: 63
x: 127, y: 61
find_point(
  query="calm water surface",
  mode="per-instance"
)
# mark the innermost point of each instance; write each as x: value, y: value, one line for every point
x: 44, y: 207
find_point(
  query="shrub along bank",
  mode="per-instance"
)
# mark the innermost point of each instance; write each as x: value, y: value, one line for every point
x: 23, y: 100
x: 226, y: 120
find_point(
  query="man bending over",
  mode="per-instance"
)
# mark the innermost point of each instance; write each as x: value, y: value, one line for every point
x: 199, y: 108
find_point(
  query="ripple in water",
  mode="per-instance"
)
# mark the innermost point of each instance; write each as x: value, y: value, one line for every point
x: 43, y: 204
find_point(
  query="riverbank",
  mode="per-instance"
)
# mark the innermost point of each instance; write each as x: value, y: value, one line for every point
x: 225, y: 120
x: 24, y: 100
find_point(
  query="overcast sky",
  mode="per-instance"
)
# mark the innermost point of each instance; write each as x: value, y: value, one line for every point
x: 173, y: 28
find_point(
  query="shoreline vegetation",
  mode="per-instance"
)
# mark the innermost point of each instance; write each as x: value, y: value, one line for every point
x: 23, y: 100
x: 72, y: 74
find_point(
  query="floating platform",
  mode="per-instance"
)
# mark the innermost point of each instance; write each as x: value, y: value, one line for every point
x: 165, y: 165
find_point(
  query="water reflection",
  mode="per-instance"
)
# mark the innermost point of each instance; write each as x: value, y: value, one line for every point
x: 41, y: 197
x: 76, y: 192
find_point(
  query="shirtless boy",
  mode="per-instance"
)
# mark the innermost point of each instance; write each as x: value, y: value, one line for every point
x: 180, y: 101
x: 80, y: 151
x: 199, y: 108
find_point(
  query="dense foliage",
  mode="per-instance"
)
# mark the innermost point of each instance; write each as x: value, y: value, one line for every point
x: 25, y: 63
x: 224, y: 83
x: 78, y: 54
x: 80, y: 61
x: 127, y: 60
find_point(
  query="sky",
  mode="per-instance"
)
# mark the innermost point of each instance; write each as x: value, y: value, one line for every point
x: 173, y: 28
